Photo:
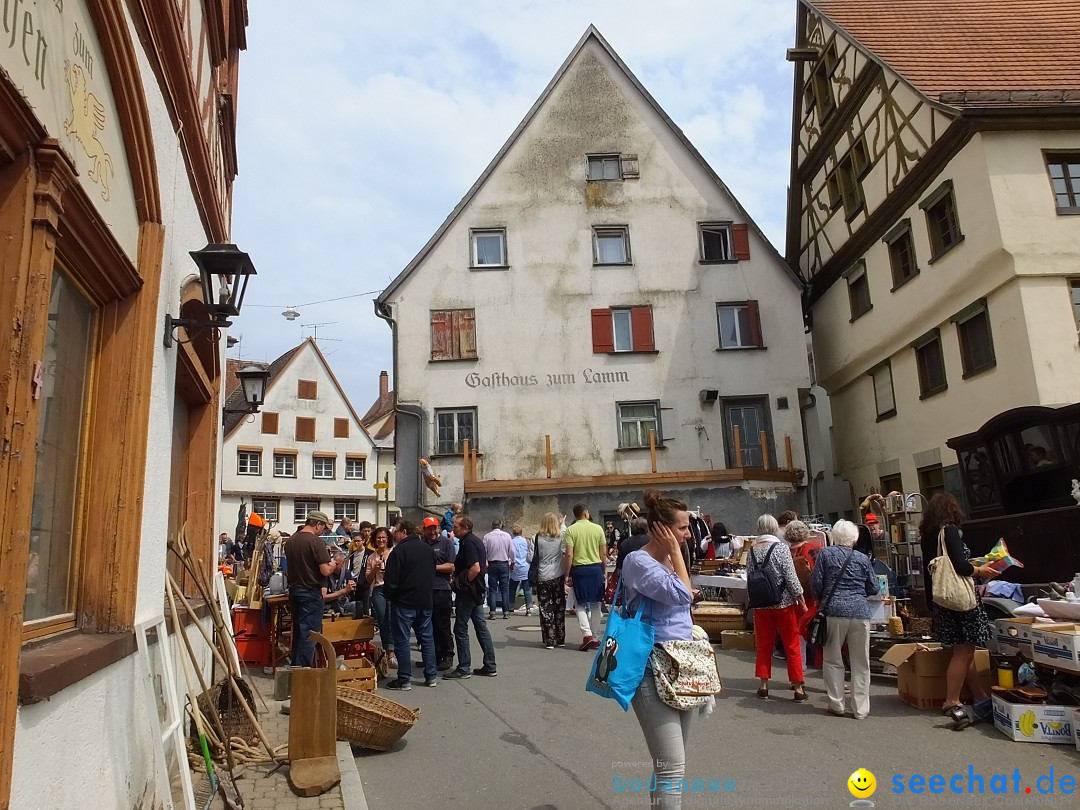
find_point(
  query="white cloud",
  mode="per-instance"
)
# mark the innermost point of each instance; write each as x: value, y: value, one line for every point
x: 363, y: 124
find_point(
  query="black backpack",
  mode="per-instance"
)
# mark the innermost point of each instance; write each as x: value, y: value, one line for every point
x: 761, y: 585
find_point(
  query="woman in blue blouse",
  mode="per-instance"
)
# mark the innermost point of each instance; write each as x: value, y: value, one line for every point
x: 658, y: 572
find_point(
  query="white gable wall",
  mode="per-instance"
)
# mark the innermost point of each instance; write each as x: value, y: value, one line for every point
x: 281, y: 398
x: 533, y: 320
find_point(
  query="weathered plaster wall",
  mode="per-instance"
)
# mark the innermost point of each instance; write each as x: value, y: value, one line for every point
x: 533, y: 319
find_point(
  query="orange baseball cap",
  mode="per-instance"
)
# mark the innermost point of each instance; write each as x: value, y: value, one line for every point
x: 431, y: 521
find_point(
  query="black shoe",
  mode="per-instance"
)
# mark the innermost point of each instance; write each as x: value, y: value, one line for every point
x: 487, y: 673
x: 399, y: 685
x: 457, y: 674
x: 445, y: 665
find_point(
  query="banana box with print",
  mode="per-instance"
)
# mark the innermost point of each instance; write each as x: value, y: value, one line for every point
x: 1013, y: 636
x: 1057, y: 645
x: 1076, y: 728
x: 1026, y: 722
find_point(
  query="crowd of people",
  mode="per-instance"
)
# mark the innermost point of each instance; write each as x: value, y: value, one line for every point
x: 432, y: 582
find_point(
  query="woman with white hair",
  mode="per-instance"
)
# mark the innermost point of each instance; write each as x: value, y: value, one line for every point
x: 841, y: 581
x: 770, y: 553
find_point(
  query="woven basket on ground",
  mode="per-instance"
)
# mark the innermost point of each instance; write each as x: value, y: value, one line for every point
x: 371, y: 721
x: 219, y: 699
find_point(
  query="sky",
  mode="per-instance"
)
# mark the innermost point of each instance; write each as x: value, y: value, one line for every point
x: 361, y: 125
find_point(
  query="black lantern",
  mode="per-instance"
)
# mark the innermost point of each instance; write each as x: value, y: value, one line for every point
x: 224, y: 271
x: 253, y: 381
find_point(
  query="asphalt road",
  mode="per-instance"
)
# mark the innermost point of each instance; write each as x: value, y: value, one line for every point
x: 533, y: 738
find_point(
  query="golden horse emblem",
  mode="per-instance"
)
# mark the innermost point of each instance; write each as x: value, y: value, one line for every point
x: 86, y: 121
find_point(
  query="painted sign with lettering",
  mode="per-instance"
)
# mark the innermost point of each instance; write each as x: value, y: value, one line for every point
x: 50, y: 50
x: 586, y: 376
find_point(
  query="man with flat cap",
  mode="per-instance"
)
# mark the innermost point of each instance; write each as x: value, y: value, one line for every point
x: 309, y: 565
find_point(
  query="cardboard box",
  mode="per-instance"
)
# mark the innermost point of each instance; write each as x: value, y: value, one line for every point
x: 1057, y: 645
x: 1013, y: 636
x: 1024, y: 722
x: 920, y: 673
x: 1076, y: 728
x: 738, y: 640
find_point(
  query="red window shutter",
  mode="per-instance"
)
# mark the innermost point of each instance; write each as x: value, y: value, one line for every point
x: 603, y: 332
x: 442, y: 335
x: 641, y: 330
x: 741, y: 242
x: 755, y: 323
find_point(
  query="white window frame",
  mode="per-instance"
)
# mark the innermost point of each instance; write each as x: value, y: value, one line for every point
x: 349, y: 462
x: 884, y: 397
x: 457, y: 449
x: 618, y: 315
x: 318, y: 469
x: 272, y: 514
x: 248, y: 462
x: 301, y: 507
x: 643, y: 434
x: 604, y: 160
x: 723, y: 228
x: 482, y: 232
x: 611, y: 232
x: 743, y: 341
x: 346, y: 509
x: 291, y: 457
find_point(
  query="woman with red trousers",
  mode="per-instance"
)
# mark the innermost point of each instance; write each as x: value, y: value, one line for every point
x: 781, y: 618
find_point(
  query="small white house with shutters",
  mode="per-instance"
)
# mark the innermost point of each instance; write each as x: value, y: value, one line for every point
x: 598, y: 284
x: 307, y: 448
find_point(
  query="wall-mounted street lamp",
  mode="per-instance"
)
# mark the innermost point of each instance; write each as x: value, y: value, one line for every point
x: 224, y: 271
x: 253, y: 381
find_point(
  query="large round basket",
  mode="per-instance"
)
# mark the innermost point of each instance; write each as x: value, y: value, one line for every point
x: 371, y: 721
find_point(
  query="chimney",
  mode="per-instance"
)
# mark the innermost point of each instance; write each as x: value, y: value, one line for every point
x: 384, y: 384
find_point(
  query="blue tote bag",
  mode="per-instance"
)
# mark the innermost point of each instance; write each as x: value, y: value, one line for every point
x: 624, y: 652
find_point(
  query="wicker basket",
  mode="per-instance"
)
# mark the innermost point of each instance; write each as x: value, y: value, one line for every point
x: 371, y: 721
x: 716, y: 617
x: 219, y: 699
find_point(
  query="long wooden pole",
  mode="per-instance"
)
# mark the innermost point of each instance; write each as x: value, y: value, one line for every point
x: 764, y: 449
x: 790, y: 455
x: 465, y: 461
x: 652, y: 449
x: 547, y: 453
x: 224, y: 665
x: 737, y: 442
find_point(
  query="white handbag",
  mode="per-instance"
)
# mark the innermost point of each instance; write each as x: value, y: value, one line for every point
x: 951, y: 590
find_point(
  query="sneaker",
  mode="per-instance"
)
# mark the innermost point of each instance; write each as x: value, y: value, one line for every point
x: 399, y: 685
x: 594, y: 644
x: 445, y: 665
x: 560, y: 645
x: 487, y: 673
x: 491, y: 615
x: 432, y: 683
x: 457, y: 674
x: 586, y: 643
x: 505, y: 615
x: 549, y: 646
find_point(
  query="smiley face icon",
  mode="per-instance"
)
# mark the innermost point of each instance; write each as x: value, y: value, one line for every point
x: 862, y: 784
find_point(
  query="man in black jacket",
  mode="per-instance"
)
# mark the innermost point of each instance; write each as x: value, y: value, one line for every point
x: 468, y: 583
x: 408, y: 582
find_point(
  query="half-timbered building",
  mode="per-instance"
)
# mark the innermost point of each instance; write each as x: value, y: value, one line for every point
x: 933, y: 199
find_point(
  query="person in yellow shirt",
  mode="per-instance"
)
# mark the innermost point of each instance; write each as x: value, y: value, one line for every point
x: 586, y: 556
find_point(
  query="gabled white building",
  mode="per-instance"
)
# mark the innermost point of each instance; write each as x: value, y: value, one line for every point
x: 306, y: 449
x: 597, y: 283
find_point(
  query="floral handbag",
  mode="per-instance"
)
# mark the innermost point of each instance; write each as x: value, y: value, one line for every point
x: 685, y: 671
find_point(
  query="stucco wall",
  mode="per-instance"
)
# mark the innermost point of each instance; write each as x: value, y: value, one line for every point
x: 533, y: 320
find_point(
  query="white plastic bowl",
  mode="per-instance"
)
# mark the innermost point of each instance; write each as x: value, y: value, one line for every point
x: 1061, y: 609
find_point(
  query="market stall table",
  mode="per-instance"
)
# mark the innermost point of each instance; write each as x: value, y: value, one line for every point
x: 717, y: 581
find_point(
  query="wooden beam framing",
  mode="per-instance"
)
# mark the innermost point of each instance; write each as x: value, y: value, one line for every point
x: 629, y: 480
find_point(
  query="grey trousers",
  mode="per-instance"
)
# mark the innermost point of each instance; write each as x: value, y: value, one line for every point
x: 667, y: 733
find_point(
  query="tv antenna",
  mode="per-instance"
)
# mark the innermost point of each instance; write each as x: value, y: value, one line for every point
x: 314, y: 327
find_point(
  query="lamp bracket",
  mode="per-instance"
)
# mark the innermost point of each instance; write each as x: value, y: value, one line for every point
x: 191, y: 324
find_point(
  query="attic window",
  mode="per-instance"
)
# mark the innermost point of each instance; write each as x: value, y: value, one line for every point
x: 604, y: 167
